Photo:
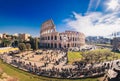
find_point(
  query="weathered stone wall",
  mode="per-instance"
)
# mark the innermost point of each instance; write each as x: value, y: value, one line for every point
x: 50, y: 38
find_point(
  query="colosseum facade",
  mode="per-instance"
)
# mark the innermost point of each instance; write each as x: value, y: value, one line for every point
x: 50, y: 38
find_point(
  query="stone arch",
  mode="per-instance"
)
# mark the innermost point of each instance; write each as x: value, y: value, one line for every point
x: 51, y: 45
x: 48, y: 45
x: 60, y: 45
x: 75, y: 44
x: 73, y: 38
x: 48, y: 37
x: 55, y: 38
x: 55, y: 45
x: 60, y: 38
x: 51, y: 37
x: 68, y: 45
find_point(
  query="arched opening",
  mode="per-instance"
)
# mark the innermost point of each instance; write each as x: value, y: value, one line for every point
x: 51, y: 37
x: 45, y: 45
x: 68, y: 45
x: 48, y: 45
x: 55, y: 45
x: 60, y: 38
x: 59, y: 45
x: 48, y: 38
x: 75, y: 44
x: 73, y: 38
x: 51, y: 45
x: 55, y: 37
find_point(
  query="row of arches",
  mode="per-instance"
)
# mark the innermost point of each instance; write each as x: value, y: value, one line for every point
x: 56, y: 38
x: 49, y: 38
x: 47, y: 31
x: 59, y: 45
x: 54, y: 45
x: 51, y: 45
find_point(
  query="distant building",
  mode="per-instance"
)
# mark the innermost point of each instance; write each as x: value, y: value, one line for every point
x: 50, y: 38
x: 91, y: 39
x: 16, y: 34
x: 4, y: 35
x: 116, y: 43
x: 114, y: 34
x: 97, y: 40
x: 24, y: 36
x: 1, y: 36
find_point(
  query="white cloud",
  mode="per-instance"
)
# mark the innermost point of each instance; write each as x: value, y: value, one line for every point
x: 113, y: 5
x: 95, y: 23
x: 93, y: 5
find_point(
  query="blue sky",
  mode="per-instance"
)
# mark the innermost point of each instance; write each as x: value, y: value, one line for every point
x: 26, y: 16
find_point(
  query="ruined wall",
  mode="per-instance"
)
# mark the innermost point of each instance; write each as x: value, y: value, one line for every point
x: 50, y: 38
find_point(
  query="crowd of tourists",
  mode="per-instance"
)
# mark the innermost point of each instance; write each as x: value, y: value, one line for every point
x: 83, y: 48
x: 53, y: 63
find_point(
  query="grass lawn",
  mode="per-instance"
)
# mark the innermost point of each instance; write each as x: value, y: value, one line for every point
x: 74, y: 56
x: 24, y: 76
x: 104, y: 44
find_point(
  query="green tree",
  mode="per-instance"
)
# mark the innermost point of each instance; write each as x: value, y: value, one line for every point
x: 28, y: 46
x: 35, y: 44
x: 22, y: 46
x: 16, y: 43
x: 6, y: 42
x: 32, y: 42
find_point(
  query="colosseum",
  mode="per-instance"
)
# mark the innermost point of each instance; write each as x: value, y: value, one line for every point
x: 50, y: 38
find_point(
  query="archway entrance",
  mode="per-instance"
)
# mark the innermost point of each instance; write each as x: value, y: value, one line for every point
x: 59, y: 45
x: 55, y: 45
x: 51, y: 45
